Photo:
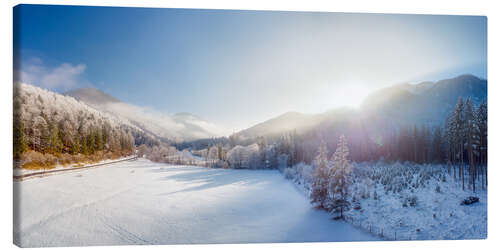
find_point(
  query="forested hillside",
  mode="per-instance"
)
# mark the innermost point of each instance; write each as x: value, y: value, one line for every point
x: 404, y: 122
x: 51, y: 129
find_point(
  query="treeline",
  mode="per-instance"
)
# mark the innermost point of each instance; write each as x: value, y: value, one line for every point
x: 460, y: 141
x: 51, y: 129
x: 165, y: 153
x: 466, y: 132
x: 46, y: 135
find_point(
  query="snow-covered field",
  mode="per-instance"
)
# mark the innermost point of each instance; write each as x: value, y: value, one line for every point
x: 436, y: 213
x: 409, y: 202
x: 142, y: 202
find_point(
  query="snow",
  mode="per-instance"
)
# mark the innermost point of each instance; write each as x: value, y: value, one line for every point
x: 35, y: 100
x: 142, y: 202
x: 436, y: 215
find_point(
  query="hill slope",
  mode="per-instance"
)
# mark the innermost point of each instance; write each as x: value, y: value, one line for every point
x: 179, y: 127
x: 426, y: 102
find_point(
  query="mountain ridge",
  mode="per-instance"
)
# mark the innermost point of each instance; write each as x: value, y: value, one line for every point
x: 177, y: 127
x: 424, y: 102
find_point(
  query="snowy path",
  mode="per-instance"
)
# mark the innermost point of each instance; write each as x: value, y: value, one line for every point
x: 142, y: 202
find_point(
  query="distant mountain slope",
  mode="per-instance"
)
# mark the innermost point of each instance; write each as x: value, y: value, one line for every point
x: 179, y: 127
x: 42, y: 110
x: 286, y: 122
x: 92, y: 96
x: 426, y: 102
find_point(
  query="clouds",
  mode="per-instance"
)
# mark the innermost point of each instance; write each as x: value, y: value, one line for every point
x: 66, y: 76
x: 61, y: 77
x: 176, y: 127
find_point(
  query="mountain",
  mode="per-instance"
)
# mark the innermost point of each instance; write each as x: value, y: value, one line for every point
x: 41, y: 110
x: 178, y: 127
x: 426, y: 102
x: 401, y: 104
x: 283, y: 123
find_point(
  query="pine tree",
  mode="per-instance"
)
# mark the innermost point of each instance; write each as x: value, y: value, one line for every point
x: 19, y: 143
x: 459, y: 135
x: 450, y: 133
x: 427, y: 144
x: 415, y: 143
x: 55, y: 143
x: 75, y: 146
x: 482, y: 123
x: 339, y: 177
x: 319, y: 188
x: 90, y: 142
x: 472, y: 139
x: 262, y: 150
x: 41, y: 134
x: 18, y: 137
x: 437, y: 148
x: 98, y: 140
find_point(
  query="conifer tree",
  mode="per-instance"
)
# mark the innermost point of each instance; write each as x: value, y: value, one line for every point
x: 55, y: 143
x: 437, y: 147
x: 339, y: 177
x: 482, y: 123
x: 319, y: 188
x: 451, y: 142
x: 75, y: 146
x: 18, y: 137
x: 472, y: 140
x: 459, y: 124
x: 98, y: 140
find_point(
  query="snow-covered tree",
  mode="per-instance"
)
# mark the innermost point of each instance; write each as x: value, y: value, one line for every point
x: 340, y: 177
x: 471, y: 130
x: 321, y: 177
x: 458, y: 122
x: 19, y: 143
x: 482, y: 123
x: 56, y: 126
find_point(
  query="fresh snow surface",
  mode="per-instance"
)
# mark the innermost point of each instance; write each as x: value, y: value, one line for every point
x: 142, y: 202
x: 437, y: 215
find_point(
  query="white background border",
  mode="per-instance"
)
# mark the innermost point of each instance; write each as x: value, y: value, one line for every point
x: 457, y: 7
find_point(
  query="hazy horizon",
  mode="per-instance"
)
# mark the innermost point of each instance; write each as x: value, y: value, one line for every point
x: 238, y: 68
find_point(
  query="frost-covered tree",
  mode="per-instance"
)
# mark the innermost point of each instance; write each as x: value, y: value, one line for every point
x: 261, y: 142
x: 55, y: 143
x: 54, y: 126
x: 451, y: 141
x: 471, y: 130
x: 340, y: 177
x: 19, y: 144
x: 458, y: 123
x: 243, y: 157
x: 481, y: 117
x: 321, y: 177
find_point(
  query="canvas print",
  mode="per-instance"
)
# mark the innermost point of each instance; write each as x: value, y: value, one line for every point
x: 147, y: 126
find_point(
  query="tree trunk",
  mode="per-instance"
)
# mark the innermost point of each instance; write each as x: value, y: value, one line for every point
x: 462, y: 165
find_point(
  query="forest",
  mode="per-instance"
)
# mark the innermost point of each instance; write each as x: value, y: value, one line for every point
x: 50, y: 129
x: 460, y: 142
x: 358, y: 171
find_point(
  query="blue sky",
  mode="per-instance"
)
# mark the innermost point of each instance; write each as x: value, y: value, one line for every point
x: 237, y: 68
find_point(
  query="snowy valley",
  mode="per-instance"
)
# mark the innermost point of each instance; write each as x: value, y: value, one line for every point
x: 336, y: 176
x: 143, y: 202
